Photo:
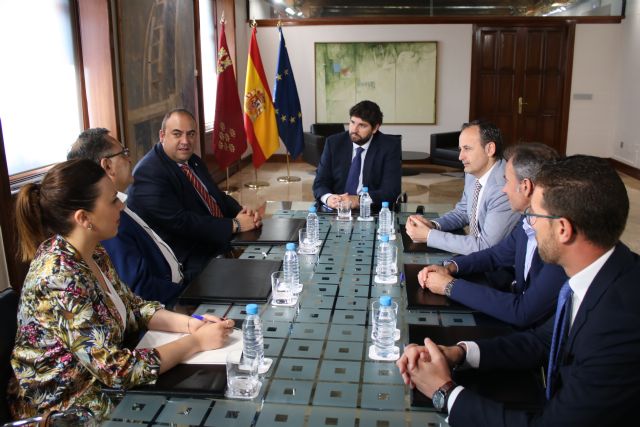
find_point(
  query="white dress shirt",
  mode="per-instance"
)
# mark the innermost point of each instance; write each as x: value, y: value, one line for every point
x: 325, y: 197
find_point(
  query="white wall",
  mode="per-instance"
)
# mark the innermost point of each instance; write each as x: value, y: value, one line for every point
x: 595, y: 73
x: 629, y: 100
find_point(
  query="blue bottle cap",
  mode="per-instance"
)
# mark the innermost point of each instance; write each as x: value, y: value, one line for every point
x: 385, y: 301
x: 253, y: 308
x: 291, y: 246
x: 365, y: 189
x: 385, y: 238
x: 312, y: 209
x: 385, y: 204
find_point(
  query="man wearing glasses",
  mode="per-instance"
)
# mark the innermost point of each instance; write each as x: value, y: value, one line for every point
x: 591, y: 347
x: 533, y: 294
x: 142, y: 259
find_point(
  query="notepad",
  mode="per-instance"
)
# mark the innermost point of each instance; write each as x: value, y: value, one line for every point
x: 153, y: 339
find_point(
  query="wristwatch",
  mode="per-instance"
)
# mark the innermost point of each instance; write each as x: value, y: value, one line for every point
x: 441, y: 395
x: 236, y: 223
x: 449, y: 287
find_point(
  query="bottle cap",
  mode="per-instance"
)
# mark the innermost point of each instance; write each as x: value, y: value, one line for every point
x: 385, y: 238
x: 312, y: 209
x: 385, y: 204
x: 291, y: 246
x: 365, y: 189
x: 253, y: 308
x: 385, y: 301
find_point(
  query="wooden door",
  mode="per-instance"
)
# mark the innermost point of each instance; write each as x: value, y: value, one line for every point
x: 521, y: 81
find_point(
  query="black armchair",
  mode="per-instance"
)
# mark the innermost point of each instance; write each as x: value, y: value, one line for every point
x: 8, y: 318
x: 444, y: 149
x: 314, y: 140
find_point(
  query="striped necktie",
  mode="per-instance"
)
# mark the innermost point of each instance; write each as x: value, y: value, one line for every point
x: 473, y: 224
x: 560, y: 330
x: 211, y: 203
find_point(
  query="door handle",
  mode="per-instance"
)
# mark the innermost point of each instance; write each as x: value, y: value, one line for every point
x: 520, y: 104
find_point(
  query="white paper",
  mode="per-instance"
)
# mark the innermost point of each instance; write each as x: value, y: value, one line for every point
x: 153, y: 339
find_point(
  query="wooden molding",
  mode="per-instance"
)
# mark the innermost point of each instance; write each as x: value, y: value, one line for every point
x: 625, y: 168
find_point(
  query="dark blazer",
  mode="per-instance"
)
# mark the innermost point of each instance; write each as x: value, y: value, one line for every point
x: 382, y: 170
x: 163, y: 196
x: 140, y: 263
x: 533, y: 299
x: 599, y: 370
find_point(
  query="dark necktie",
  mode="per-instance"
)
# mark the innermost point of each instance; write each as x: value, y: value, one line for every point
x: 560, y: 330
x: 211, y: 203
x: 353, y: 179
x: 473, y: 223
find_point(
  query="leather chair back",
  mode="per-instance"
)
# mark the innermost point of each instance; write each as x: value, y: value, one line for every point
x: 9, y: 322
x: 327, y: 129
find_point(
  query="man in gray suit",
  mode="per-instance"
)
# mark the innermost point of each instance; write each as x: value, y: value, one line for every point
x: 483, y: 206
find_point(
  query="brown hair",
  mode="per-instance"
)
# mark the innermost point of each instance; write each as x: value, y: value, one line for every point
x: 45, y: 209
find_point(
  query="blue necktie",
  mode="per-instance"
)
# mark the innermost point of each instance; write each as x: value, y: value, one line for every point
x: 353, y: 179
x: 560, y: 329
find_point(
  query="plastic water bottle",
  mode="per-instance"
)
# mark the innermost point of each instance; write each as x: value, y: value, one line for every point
x: 252, y: 341
x: 313, y: 227
x: 384, y: 267
x: 385, y: 329
x: 385, y: 226
x: 365, y: 205
x: 291, y: 268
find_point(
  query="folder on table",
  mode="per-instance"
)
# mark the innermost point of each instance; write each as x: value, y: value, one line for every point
x: 274, y: 231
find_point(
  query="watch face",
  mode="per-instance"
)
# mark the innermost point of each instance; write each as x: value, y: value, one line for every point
x: 438, y: 399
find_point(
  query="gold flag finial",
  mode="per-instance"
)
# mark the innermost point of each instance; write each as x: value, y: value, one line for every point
x: 222, y: 21
x: 254, y: 24
x: 279, y: 23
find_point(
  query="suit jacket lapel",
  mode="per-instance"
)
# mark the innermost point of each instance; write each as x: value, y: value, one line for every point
x: 344, y: 151
x: 607, y: 274
x: 372, y: 152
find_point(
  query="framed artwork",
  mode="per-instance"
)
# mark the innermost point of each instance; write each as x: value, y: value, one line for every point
x: 399, y: 76
x: 157, y: 56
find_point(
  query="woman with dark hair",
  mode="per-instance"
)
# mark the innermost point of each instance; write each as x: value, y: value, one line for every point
x: 75, y: 313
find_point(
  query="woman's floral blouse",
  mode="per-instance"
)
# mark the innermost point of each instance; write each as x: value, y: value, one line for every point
x: 70, y: 335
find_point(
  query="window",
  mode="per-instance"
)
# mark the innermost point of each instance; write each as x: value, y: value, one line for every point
x: 40, y: 106
x: 208, y: 55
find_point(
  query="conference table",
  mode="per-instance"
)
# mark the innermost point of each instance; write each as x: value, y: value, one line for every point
x: 321, y: 373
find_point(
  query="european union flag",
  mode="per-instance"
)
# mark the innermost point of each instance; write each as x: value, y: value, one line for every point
x: 287, y: 103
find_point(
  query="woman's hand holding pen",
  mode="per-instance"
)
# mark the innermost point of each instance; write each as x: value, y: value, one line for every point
x: 210, y: 331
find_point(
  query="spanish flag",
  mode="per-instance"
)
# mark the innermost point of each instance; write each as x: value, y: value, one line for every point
x: 259, y: 113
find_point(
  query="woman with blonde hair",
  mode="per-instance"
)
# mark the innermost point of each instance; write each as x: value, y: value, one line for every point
x: 74, y: 312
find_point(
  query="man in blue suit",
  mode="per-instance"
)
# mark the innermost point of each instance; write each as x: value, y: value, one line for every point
x: 142, y: 259
x: 483, y: 206
x: 534, y: 292
x: 592, y: 346
x: 361, y: 157
x: 174, y: 192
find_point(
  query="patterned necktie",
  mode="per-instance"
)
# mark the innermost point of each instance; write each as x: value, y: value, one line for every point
x: 353, y: 179
x: 560, y: 330
x: 473, y: 224
x: 211, y: 203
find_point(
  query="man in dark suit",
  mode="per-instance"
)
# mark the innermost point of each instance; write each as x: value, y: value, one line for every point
x: 175, y: 194
x: 361, y: 157
x: 534, y: 292
x: 141, y: 258
x: 592, y: 346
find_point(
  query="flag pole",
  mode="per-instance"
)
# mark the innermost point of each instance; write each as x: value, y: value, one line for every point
x: 256, y: 184
x: 230, y: 188
x: 288, y: 178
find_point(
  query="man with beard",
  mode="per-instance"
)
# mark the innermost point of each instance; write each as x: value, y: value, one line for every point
x: 361, y: 157
x: 591, y: 347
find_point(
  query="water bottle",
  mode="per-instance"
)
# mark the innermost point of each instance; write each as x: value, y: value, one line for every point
x: 252, y: 341
x: 385, y: 329
x: 365, y: 205
x: 291, y: 268
x: 384, y: 219
x: 313, y: 227
x: 385, y: 268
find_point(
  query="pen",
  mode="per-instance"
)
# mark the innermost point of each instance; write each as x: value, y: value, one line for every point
x: 202, y: 319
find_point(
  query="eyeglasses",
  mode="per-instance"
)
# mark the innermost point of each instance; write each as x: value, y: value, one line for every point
x: 531, y: 217
x: 124, y: 152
